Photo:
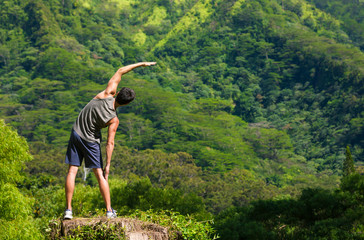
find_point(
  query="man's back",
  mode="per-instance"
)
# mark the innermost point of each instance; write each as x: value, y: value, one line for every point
x: 94, y: 116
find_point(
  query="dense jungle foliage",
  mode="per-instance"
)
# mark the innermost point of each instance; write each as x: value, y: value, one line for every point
x: 253, y: 115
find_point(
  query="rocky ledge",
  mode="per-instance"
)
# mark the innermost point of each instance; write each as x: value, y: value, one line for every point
x: 124, y: 228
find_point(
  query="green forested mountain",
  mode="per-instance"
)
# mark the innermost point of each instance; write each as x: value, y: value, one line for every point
x: 250, y: 100
x: 350, y: 13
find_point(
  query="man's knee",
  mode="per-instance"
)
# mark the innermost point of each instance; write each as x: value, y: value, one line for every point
x: 99, y: 174
x: 72, y: 169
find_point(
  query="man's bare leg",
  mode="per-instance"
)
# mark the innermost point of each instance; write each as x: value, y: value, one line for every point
x: 70, y: 185
x: 104, y: 187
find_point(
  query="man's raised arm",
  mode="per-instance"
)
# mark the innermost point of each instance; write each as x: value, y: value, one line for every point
x: 115, y: 80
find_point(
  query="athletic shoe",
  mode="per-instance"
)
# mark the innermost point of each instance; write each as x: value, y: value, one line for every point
x: 68, y: 214
x: 111, y: 214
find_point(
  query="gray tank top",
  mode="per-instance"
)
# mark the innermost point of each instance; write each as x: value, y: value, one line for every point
x: 93, y: 117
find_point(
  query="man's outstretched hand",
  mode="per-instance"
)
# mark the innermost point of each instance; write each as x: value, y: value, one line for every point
x: 147, y: 64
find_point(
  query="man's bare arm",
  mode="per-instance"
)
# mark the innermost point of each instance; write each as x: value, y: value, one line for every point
x: 113, y: 125
x: 115, y: 80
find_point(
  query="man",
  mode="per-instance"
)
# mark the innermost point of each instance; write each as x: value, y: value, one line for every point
x: 85, y: 138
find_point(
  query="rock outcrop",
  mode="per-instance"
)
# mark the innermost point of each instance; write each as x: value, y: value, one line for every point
x: 131, y: 229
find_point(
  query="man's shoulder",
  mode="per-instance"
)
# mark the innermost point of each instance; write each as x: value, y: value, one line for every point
x: 103, y: 95
x: 113, y: 121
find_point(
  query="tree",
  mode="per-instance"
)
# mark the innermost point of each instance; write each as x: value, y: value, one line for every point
x: 13, y: 154
x: 15, y: 208
x: 348, y: 166
x: 212, y: 105
x: 59, y: 64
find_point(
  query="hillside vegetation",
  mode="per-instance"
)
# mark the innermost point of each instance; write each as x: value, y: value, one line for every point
x: 250, y: 100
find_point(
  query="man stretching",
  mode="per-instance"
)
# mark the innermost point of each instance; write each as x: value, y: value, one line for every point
x: 85, y: 138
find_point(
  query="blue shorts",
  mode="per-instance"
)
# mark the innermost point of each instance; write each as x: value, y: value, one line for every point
x: 78, y: 149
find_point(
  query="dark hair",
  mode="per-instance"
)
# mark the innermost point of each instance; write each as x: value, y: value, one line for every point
x: 125, y: 96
